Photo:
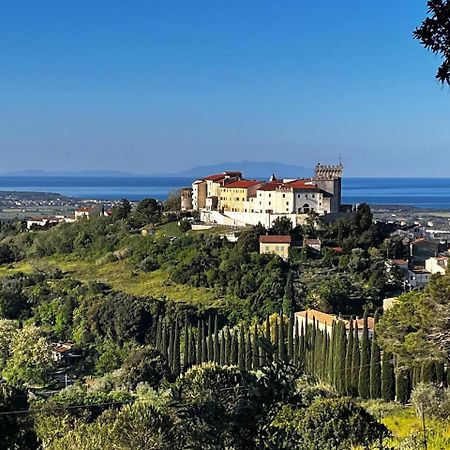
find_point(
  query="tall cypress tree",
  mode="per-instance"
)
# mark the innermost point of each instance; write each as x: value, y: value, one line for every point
x: 171, y: 345
x: 176, y: 360
x: 248, y: 352
x: 199, y: 355
x: 216, y: 356
x: 164, y: 343
x: 348, y: 360
x: 281, y: 343
x: 289, y: 294
x: 341, y: 348
x: 255, y: 362
x: 267, y: 355
x: 290, y: 338
x: 355, y: 362
x: 210, y: 343
x: 364, y: 371
x: 375, y: 365
x: 301, y: 349
x: 192, y: 348
x: 241, y: 349
x: 296, y: 344
x: 428, y: 374
x: 234, y: 349
x: 440, y: 373
x: 402, y: 384
x: 228, y: 348
x: 204, y: 344
x: 158, y: 338
x: 186, y: 344
x: 223, y: 349
x: 387, y: 377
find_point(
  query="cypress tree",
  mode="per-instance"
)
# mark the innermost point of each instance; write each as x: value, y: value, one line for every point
x: 204, y: 344
x: 276, y: 337
x: 375, y: 366
x: 192, y: 348
x: 216, y: 341
x: 199, y: 355
x: 289, y: 294
x: 402, y: 384
x: 281, y: 344
x: 301, y: 349
x: 248, y: 352
x: 241, y: 349
x: 333, y: 353
x: 176, y: 361
x: 223, y: 349
x: 355, y: 362
x: 348, y: 360
x: 428, y: 374
x: 440, y: 373
x: 387, y: 377
x: 340, y: 357
x: 228, y: 348
x: 296, y: 345
x: 186, y: 344
x: 268, y: 355
x: 290, y: 338
x: 171, y: 346
x: 210, y: 343
x: 364, y: 372
x: 158, y: 338
x: 256, y: 361
x: 234, y: 349
x: 306, y: 345
x: 164, y: 344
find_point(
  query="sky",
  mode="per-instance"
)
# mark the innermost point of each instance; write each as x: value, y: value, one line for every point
x: 163, y: 86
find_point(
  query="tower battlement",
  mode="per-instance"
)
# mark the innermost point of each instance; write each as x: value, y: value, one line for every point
x: 328, y: 172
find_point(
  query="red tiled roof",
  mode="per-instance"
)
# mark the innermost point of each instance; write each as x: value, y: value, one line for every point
x: 221, y: 176
x: 300, y: 184
x: 242, y: 184
x: 275, y: 239
x: 215, y: 177
x: 85, y: 209
x: 270, y: 186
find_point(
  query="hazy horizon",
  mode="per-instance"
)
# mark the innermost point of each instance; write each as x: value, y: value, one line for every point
x: 158, y: 88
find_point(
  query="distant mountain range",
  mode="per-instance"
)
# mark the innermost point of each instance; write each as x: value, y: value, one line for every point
x: 250, y: 169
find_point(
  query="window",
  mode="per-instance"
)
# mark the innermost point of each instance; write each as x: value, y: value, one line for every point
x: 287, y: 209
x: 269, y: 203
x: 270, y: 195
x: 314, y: 196
x: 306, y: 195
x: 287, y: 203
x: 284, y: 195
x: 298, y: 195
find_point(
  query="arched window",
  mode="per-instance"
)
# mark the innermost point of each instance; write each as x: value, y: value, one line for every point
x: 306, y: 208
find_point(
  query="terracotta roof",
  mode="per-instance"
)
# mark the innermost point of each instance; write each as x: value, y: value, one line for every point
x: 221, y: 176
x: 275, y: 239
x: 360, y: 322
x: 85, y: 209
x: 270, y: 186
x: 312, y: 241
x: 318, y: 315
x: 215, y: 177
x: 301, y: 184
x: 242, y: 184
x: 399, y: 262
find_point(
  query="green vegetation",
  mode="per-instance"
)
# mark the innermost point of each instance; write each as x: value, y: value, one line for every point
x: 191, y: 337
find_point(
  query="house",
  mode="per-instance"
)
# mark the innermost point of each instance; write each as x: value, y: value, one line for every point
x: 314, y: 244
x: 278, y: 244
x: 324, y: 321
x: 389, y: 303
x: 417, y: 277
x: 437, y: 264
x: 64, y: 351
x: 87, y: 212
x: 235, y: 196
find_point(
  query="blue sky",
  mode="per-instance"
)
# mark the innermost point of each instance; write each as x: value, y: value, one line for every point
x: 157, y: 86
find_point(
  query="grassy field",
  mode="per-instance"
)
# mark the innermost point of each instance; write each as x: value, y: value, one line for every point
x: 123, y: 277
x: 406, y: 427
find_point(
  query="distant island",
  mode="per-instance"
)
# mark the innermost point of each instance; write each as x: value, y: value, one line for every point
x: 253, y: 169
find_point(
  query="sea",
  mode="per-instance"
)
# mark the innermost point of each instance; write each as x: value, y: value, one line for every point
x: 432, y: 193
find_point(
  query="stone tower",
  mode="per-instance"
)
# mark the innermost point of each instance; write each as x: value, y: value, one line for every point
x: 328, y: 178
